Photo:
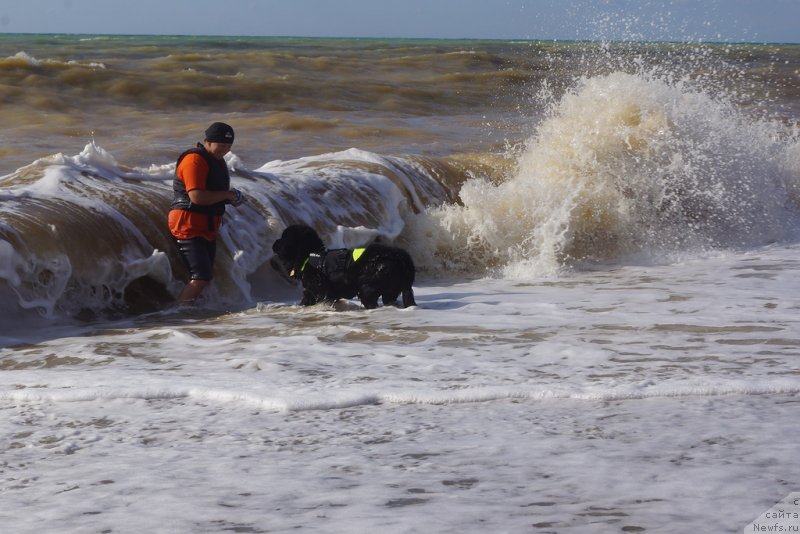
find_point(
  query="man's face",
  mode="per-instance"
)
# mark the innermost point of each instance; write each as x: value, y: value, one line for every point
x: 218, y: 150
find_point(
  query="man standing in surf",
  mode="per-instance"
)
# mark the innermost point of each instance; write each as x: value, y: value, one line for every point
x: 201, y: 192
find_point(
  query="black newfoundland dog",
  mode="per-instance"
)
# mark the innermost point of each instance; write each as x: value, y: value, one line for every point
x: 329, y: 275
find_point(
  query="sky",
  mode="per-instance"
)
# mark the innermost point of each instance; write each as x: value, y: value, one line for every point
x: 674, y: 20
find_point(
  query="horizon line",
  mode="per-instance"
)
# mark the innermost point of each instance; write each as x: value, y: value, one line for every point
x: 330, y: 37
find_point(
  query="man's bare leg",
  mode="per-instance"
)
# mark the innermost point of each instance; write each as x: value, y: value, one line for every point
x: 191, y: 291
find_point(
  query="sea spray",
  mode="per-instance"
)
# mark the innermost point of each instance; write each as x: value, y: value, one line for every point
x: 624, y: 165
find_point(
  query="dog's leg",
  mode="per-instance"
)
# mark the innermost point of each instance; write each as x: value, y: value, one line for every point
x: 309, y: 299
x: 408, y: 297
x: 368, y: 297
x: 389, y: 297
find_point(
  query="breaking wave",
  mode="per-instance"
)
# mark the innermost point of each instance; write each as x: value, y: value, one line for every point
x: 624, y: 167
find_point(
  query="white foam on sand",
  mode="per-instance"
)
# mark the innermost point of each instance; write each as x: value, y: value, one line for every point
x: 655, y: 398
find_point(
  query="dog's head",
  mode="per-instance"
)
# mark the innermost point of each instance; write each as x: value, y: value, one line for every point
x: 294, y: 246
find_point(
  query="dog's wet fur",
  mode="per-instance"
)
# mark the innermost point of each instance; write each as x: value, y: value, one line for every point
x: 382, y: 271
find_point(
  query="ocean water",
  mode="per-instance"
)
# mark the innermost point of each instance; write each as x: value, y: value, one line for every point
x: 606, y: 337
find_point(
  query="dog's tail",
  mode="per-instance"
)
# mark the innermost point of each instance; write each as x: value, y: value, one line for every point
x: 408, y: 297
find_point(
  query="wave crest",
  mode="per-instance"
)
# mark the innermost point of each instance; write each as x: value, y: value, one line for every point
x: 626, y: 165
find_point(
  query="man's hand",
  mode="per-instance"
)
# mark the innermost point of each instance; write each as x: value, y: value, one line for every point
x: 237, y: 199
